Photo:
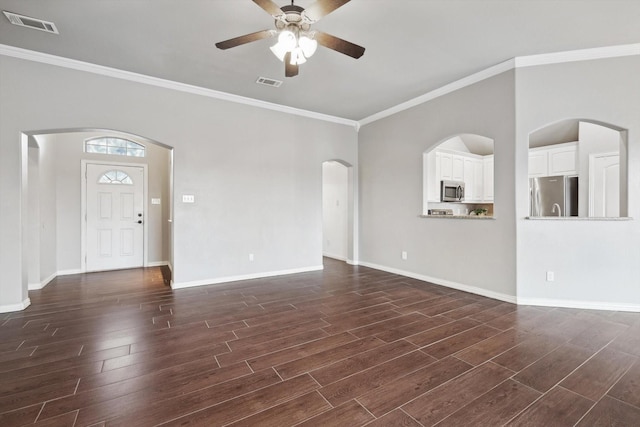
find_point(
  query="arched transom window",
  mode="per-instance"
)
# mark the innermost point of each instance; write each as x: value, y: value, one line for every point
x: 115, y: 177
x: 116, y: 146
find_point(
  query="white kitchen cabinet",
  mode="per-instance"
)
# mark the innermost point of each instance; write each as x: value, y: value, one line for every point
x: 457, y: 167
x: 560, y: 159
x: 478, y: 180
x: 538, y: 163
x: 469, y: 180
x: 446, y: 165
x: 473, y: 179
x: 563, y: 160
x: 467, y: 167
x: 487, y: 172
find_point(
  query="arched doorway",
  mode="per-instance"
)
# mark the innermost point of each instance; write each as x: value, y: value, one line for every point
x: 56, y: 186
x: 338, y: 211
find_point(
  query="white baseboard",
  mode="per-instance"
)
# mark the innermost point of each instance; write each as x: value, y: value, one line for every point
x: 8, y: 308
x: 42, y: 284
x: 585, y: 305
x: 157, y: 263
x: 353, y: 262
x: 334, y: 256
x: 446, y: 283
x: 70, y: 272
x: 219, y: 280
x: 542, y: 302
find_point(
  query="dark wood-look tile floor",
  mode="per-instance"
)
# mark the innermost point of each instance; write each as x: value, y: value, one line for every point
x: 348, y: 346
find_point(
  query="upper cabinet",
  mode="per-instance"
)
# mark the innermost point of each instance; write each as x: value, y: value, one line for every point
x: 560, y: 159
x: 487, y: 170
x: 474, y: 170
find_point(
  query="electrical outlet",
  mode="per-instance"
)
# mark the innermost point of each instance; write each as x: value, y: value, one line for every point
x: 188, y: 198
x: 250, y: 257
x: 404, y: 255
x: 550, y: 276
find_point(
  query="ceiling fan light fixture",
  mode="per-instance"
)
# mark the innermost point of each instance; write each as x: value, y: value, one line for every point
x: 278, y: 51
x: 296, y: 41
x: 297, y: 57
x: 308, y: 46
x: 287, y: 40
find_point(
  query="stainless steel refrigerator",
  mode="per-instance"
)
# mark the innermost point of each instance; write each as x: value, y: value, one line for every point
x: 553, y: 196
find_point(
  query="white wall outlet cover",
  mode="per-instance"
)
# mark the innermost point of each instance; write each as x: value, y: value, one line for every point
x: 404, y: 255
x: 155, y: 201
x: 550, y: 276
x: 188, y: 198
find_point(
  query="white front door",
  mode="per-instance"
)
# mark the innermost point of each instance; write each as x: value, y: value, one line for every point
x: 114, y: 217
x: 604, y: 182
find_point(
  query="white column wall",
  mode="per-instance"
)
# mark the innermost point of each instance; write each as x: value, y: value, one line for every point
x: 595, y: 263
x: 477, y: 255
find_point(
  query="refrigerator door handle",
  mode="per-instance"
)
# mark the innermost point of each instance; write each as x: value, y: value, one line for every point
x: 534, y: 197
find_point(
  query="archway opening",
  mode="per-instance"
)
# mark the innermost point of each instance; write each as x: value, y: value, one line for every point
x: 337, y: 211
x: 463, y: 163
x: 55, y: 186
x: 578, y: 168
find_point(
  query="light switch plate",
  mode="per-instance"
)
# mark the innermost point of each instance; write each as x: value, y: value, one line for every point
x: 155, y: 201
x: 188, y: 198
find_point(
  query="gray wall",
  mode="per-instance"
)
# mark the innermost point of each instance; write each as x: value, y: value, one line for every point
x: 256, y: 174
x: 335, y: 196
x: 46, y: 188
x: 258, y: 189
x: 595, y: 262
x: 34, y: 217
x: 478, y: 254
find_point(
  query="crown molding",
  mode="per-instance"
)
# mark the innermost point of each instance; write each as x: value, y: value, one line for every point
x: 578, y: 55
x: 517, y: 62
x: 73, y: 64
x: 451, y: 87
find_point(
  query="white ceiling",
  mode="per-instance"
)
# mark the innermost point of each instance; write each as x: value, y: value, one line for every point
x: 412, y: 46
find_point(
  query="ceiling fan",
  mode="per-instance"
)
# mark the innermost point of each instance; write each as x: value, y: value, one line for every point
x: 296, y: 40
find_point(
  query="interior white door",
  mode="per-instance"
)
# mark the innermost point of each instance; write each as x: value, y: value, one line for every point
x: 604, y: 191
x: 114, y: 217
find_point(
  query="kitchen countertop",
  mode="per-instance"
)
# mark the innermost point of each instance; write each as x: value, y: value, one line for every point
x: 473, y: 217
x: 577, y: 218
x: 532, y: 218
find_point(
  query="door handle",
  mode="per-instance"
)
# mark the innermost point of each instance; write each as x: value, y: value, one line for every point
x: 139, y: 221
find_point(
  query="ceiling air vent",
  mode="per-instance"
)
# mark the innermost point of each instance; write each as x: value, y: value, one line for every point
x: 36, y: 24
x: 268, y: 82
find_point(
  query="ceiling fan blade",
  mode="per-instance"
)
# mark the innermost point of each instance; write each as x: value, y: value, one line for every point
x: 322, y: 8
x: 339, y: 45
x: 270, y: 7
x: 290, y: 70
x: 247, y: 38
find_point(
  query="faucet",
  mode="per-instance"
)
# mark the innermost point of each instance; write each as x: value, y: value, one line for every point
x: 553, y: 209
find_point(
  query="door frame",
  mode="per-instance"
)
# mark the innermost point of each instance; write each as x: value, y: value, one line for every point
x: 592, y: 178
x: 83, y: 207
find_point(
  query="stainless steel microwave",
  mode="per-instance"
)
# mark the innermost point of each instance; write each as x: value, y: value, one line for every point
x: 451, y: 191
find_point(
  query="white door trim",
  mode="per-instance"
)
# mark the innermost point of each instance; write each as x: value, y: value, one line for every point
x: 83, y: 208
x: 592, y: 177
